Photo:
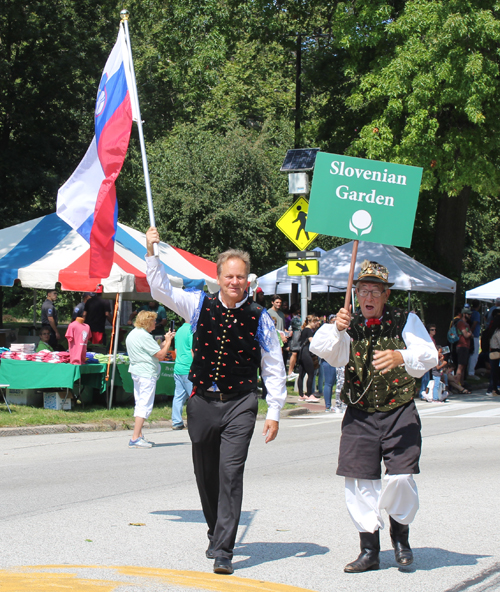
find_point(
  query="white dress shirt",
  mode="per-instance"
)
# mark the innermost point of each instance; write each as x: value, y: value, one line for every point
x: 186, y: 303
x: 419, y: 356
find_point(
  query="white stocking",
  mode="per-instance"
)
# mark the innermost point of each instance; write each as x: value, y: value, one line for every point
x: 400, y: 498
x: 362, y: 496
x: 365, y: 501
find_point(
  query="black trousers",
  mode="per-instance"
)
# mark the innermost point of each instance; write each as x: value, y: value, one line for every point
x: 306, y: 366
x: 368, y: 438
x: 220, y: 433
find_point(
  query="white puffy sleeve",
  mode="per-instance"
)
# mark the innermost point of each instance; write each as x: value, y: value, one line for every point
x: 183, y: 302
x: 331, y: 344
x: 421, y: 354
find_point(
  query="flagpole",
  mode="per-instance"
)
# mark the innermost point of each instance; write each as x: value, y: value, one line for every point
x: 116, y: 331
x: 124, y: 14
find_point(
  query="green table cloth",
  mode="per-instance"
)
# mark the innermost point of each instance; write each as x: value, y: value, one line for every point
x: 164, y: 386
x: 21, y: 374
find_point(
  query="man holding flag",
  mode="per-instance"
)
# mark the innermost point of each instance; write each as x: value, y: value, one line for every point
x: 233, y: 337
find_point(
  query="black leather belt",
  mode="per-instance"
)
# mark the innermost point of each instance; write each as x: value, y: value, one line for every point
x: 219, y: 395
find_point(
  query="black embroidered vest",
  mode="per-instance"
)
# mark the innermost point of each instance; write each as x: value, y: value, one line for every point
x: 225, y: 347
x: 364, y: 387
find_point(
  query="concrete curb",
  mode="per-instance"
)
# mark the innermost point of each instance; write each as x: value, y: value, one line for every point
x: 107, y: 426
x: 296, y: 411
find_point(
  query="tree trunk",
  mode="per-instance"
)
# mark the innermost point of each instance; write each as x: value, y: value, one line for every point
x: 449, y: 239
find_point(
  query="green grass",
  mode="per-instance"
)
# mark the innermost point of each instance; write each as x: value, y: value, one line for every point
x: 23, y: 415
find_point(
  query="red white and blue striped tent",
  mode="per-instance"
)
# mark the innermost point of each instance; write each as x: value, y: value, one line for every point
x: 45, y: 251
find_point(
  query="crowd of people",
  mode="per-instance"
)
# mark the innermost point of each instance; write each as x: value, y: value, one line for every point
x: 472, y: 348
x: 147, y: 344
x: 93, y: 309
x: 474, y: 340
x: 295, y: 336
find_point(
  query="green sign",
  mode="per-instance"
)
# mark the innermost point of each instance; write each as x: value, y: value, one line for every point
x: 167, y: 370
x: 363, y: 199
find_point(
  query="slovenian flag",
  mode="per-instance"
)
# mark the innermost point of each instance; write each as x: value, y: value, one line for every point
x: 87, y: 201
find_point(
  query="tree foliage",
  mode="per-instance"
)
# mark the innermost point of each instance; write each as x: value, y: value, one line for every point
x: 429, y: 99
x: 413, y: 82
x: 51, y: 55
x: 433, y: 97
x: 220, y: 190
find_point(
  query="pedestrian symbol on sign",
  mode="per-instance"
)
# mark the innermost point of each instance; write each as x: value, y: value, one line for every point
x: 293, y: 224
x: 301, y: 219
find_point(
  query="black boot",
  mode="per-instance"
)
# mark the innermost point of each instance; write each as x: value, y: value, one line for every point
x: 369, y: 556
x: 399, y: 538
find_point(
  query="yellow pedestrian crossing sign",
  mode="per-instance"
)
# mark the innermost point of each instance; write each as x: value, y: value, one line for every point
x: 293, y: 224
x: 302, y: 267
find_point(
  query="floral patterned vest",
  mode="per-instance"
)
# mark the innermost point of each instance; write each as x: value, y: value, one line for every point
x: 226, y: 350
x: 364, y: 387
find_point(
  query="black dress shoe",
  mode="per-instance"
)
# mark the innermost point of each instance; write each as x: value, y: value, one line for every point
x: 210, y: 551
x: 223, y: 565
x: 368, y: 559
x: 399, y: 539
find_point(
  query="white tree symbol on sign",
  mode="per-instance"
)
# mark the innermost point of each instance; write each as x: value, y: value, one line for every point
x: 361, y: 221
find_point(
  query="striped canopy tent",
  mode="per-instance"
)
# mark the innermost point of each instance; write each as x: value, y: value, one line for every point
x: 46, y: 251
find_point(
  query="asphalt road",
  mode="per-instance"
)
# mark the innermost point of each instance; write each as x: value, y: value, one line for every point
x: 83, y: 512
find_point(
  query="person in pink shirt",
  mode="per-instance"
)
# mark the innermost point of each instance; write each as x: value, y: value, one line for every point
x: 78, y: 335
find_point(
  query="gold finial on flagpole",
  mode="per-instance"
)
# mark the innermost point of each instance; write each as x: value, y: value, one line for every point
x: 124, y: 15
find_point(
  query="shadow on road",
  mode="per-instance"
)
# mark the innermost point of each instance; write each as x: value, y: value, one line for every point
x: 197, y: 516
x: 168, y: 444
x: 258, y: 553
x: 429, y: 558
x: 182, y: 515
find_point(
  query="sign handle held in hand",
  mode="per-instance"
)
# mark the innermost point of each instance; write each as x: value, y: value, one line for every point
x: 347, y: 300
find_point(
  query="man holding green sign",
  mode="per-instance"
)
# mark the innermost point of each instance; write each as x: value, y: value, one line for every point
x: 383, y: 350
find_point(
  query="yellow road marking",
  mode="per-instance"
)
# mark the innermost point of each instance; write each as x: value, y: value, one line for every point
x: 13, y: 581
x: 65, y: 577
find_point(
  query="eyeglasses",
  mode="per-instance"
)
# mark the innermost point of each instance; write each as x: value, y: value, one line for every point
x: 374, y: 293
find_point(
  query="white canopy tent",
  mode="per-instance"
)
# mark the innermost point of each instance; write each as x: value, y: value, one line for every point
x: 406, y: 273
x: 489, y: 291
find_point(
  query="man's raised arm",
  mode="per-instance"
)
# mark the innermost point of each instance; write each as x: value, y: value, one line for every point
x: 185, y: 304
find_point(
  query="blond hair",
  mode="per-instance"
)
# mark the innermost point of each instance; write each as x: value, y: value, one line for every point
x: 233, y: 254
x: 144, y: 318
